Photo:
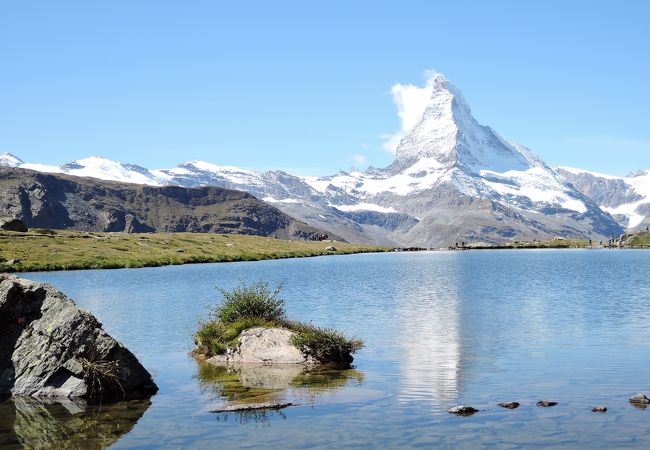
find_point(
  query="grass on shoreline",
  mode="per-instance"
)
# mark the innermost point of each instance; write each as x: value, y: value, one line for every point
x: 552, y: 243
x: 44, y: 250
x: 640, y: 240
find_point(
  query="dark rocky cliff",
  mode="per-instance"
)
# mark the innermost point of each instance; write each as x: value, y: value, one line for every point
x: 66, y: 202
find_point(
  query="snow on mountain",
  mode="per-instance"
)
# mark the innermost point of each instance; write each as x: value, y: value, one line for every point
x: 451, y: 177
x: 449, y: 134
x: 93, y: 167
x: 9, y: 160
x: 106, y: 169
x: 625, y: 198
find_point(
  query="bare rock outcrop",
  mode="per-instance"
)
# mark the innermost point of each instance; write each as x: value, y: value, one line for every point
x: 51, y: 348
x: 264, y: 346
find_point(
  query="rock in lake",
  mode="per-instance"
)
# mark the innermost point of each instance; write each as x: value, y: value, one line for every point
x: 462, y: 410
x: 51, y: 348
x: 243, y: 407
x: 10, y: 224
x: 546, y: 403
x: 640, y: 399
x: 264, y: 346
x: 599, y: 409
x: 509, y: 405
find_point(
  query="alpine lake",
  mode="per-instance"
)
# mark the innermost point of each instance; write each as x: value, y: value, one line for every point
x: 441, y: 329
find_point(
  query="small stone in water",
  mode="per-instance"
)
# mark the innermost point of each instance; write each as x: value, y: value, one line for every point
x: 546, y: 403
x: 509, y: 405
x: 462, y: 410
x: 640, y: 399
x: 600, y: 409
x: 251, y: 407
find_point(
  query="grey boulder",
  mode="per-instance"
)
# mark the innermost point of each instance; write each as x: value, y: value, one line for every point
x: 263, y: 346
x: 51, y: 348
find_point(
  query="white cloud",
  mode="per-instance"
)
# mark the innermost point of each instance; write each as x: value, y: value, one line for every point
x: 411, y: 102
x: 359, y: 160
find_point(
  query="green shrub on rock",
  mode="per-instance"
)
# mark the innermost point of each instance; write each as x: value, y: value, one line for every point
x: 325, y: 344
x: 257, y: 305
x: 250, y: 301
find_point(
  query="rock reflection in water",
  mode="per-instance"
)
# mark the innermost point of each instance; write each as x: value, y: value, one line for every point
x: 32, y: 423
x: 246, y: 384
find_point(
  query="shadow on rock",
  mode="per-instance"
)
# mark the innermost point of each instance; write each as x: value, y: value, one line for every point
x: 63, y: 423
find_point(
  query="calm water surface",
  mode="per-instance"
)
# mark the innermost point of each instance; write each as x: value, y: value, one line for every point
x: 441, y: 328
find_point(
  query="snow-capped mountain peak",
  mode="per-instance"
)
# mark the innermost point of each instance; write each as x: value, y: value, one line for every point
x: 449, y: 134
x: 9, y: 160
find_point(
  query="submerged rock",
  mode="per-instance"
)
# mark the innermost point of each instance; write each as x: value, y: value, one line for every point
x: 51, y: 348
x: 509, y: 405
x: 640, y: 399
x: 546, y: 403
x: 462, y: 410
x: 251, y: 407
x: 599, y: 409
x: 10, y: 224
x: 264, y: 346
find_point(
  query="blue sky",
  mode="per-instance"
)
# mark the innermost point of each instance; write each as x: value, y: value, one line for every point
x: 305, y: 86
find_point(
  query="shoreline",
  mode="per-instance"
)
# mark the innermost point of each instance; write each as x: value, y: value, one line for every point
x: 41, y: 250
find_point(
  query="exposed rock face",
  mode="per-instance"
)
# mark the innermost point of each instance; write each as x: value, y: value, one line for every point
x: 86, y: 204
x: 8, y: 224
x: 627, y: 199
x: 264, y: 346
x: 51, y: 348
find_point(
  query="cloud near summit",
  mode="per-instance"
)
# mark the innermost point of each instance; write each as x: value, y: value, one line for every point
x: 411, y: 101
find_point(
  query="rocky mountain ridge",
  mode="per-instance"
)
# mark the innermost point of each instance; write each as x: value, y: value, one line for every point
x: 627, y: 199
x: 60, y: 201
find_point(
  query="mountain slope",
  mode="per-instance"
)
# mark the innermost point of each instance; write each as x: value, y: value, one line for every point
x: 65, y: 202
x: 626, y: 198
x: 453, y: 179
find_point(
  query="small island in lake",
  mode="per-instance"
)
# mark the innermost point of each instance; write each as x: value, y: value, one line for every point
x: 249, y: 325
